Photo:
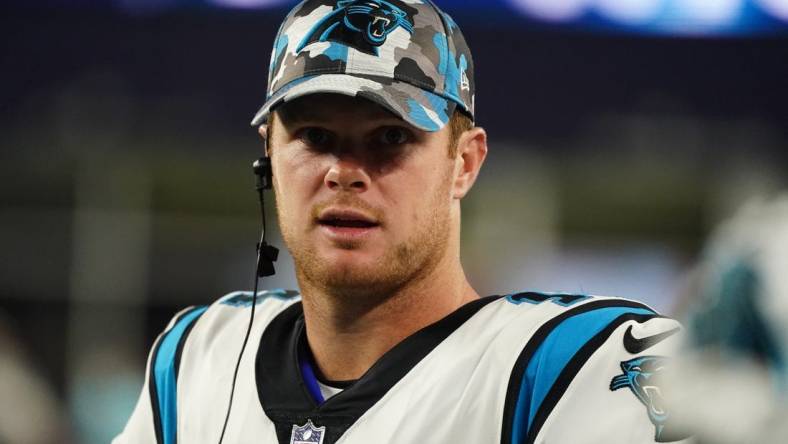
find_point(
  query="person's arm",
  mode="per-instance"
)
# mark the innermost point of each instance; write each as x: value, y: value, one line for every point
x: 155, y: 418
x: 140, y: 427
x: 598, y: 377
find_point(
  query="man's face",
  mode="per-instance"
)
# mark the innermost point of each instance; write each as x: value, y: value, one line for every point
x: 364, y: 199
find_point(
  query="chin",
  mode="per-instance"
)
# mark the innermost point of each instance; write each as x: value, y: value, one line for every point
x: 354, y: 268
x: 368, y: 268
x: 357, y: 272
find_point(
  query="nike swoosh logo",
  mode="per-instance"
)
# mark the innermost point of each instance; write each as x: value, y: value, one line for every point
x: 635, y: 345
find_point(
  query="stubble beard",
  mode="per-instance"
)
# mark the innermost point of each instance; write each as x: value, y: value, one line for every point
x: 404, y: 264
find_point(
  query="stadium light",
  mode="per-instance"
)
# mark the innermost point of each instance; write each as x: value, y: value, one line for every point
x: 552, y: 10
x: 630, y: 12
x: 248, y: 4
x: 709, y: 12
x: 777, y: 8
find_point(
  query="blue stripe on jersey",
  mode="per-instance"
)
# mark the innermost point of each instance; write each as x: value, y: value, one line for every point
x: 553, y: 355
x: 164, y: 372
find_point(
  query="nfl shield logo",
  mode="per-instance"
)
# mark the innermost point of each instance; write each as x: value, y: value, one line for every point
x: 307, y: 434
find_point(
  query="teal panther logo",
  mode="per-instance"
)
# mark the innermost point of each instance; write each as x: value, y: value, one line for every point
x: 361, y: 24
x: 643, y: 376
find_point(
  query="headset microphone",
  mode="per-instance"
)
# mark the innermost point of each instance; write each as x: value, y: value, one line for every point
x: 266, y: 255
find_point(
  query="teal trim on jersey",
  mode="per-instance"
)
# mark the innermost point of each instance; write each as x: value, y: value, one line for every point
x: 244, y: 299
x: 553, y: 355
x: 164, y: 371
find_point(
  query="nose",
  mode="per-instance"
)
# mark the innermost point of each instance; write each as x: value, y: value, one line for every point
x: 347, y: 175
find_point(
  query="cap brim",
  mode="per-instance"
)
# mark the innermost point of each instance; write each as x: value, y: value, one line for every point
x: 421, y: 108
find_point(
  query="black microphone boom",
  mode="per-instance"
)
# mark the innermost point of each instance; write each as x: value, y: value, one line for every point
x: 262, y: 169
x: 267, y: 256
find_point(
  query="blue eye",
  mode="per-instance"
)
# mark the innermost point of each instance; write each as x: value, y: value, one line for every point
x: 395, y: 136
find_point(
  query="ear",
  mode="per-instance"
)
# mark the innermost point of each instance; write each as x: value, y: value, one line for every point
x: 263, y: 130
x: 471, y: 152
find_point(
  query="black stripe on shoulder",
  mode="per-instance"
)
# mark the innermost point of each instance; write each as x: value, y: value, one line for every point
x: 182, y: 342
x: 154, y: 394
x: 518, y: 372
x: 577, y: 362
x: 154, y: 397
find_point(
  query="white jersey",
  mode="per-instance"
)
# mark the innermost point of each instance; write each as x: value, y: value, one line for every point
x: 522, y: 368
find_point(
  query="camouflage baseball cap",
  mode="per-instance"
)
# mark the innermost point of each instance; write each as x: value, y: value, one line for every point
x: 405, y: 55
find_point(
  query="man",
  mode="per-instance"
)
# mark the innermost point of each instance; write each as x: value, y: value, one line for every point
x: 369, y: 123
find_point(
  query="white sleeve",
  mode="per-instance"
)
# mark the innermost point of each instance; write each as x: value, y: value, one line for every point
x: 140, y: 427
x: 612, y: 390
x: 155, y: 417
x: 592, y: 374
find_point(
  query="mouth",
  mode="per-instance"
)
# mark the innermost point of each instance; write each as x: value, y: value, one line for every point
x: 346, y: 219
x: 655, y: 396
x: 346, y: 224
x: 379, y: 25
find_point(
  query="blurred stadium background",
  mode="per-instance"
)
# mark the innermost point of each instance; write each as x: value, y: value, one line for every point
x: 621, y: 133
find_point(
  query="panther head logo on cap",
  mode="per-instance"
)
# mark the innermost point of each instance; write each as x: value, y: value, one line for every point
x: 361, y: 24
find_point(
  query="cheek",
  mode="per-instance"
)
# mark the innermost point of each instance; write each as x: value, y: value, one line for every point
x: 417, y: 196
x: 296, y: 181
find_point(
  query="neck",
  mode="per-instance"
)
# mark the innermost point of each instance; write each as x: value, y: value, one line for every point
x: 348, y: 336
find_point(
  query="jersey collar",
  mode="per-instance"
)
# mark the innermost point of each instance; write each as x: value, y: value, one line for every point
x: 285, y: 396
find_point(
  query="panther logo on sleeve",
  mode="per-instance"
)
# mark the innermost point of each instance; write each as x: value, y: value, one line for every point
x: 642, y: 376
x: 361, y: 24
